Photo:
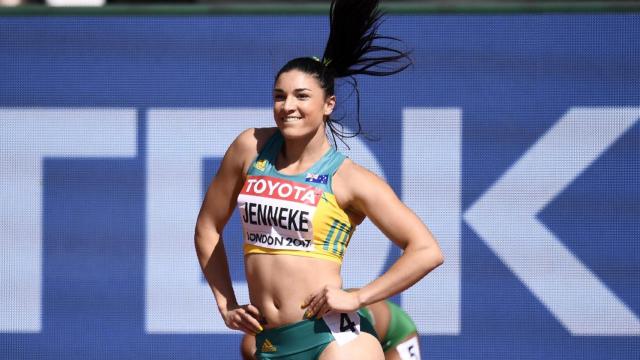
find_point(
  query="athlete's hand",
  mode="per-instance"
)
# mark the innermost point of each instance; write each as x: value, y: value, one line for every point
x: 330, y: 299
x: 243, y: 318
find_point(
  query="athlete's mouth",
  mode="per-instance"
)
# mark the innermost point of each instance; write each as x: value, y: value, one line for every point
x: 288, y: 119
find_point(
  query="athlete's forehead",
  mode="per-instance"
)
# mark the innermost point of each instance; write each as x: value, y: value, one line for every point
x: 296, y: 80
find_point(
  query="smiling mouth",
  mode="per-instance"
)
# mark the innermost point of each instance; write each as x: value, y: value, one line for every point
x: 289, y: 119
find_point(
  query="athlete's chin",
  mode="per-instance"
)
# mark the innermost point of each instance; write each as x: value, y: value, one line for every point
x: 292, y: 131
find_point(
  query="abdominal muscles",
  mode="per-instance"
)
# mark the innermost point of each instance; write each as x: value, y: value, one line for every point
x: 279, y: 284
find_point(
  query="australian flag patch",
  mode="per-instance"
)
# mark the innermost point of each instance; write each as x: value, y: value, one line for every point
x: 315, y: 178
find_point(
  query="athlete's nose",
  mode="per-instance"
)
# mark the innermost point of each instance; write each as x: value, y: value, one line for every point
x: 289, y: 104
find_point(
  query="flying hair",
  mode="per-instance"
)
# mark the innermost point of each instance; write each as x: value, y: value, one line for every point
x: 350, y: 49
x: 354, y: 47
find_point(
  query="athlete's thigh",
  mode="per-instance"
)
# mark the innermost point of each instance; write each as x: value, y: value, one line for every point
x: 407, y: 349
x: 248, y: 347
x: 365, y: 346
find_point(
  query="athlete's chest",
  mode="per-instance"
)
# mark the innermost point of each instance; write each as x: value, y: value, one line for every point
x: 268, y: 201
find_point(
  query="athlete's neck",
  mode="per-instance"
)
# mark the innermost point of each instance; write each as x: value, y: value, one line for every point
x: 298, y: 155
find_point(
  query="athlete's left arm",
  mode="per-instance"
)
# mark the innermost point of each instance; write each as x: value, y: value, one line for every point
x: 373, y: 197
x: 361, y: 191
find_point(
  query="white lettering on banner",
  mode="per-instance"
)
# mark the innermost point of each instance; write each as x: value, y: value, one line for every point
x: 27, y: 137
x: 431, y: 177
x: 176, y: 301
x: 524, y: 244
x: 177, y: 141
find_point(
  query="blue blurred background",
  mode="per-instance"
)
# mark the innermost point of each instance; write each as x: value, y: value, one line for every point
x: 515, y: 136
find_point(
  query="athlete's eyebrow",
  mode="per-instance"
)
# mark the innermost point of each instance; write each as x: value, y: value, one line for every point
x: 295, y: 90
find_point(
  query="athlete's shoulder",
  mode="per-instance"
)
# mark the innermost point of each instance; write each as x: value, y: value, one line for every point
x: 252, y: 140
x: 246, y: 146
x: 353, y: 184
x: 352, y: 175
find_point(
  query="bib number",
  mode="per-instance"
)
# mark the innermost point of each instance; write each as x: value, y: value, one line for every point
x: 343, y: 326
x: 409, y: 350
x: 346, y: 323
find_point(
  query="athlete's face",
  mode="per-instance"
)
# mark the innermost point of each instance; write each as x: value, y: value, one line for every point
x: 300, y: 104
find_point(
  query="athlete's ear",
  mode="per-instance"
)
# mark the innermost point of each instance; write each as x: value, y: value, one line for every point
x: 329, y: 104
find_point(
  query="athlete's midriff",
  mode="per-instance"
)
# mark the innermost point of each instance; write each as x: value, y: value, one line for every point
x: 279, y: 284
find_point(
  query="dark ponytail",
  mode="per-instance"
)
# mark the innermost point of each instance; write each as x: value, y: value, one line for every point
x: 351, y: 51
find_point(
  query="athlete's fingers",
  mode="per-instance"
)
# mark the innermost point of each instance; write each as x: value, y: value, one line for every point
x: 246, y: 330
x: 310, y: 302
x: 243, y: 323
x: 323, y: 310
x: 240, y: 319
x: 313, y: 309
x: 251, y: 323
x: 307, y: 301
x: 233, y: 321
x: 253, y: 311
x: 239, y: 326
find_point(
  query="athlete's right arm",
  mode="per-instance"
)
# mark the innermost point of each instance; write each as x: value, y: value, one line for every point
x: 216, y: 209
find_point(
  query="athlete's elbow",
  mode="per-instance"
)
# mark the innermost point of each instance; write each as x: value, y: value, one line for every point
x: 432, y: 257
x: 203, y: 234
x: 433, y: 253
x: 198, y: 233
x: 438, y: 259
x: 199, y: 241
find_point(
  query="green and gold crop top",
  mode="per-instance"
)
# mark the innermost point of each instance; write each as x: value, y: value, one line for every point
x: 293, y: 214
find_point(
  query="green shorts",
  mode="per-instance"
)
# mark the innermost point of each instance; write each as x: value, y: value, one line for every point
x: 400, y: 326
x: 305, y: 340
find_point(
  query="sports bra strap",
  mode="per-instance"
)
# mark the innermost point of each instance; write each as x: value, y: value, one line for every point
x: 270, y: 150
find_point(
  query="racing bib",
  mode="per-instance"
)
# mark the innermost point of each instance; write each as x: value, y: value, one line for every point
x: 344, y: 326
